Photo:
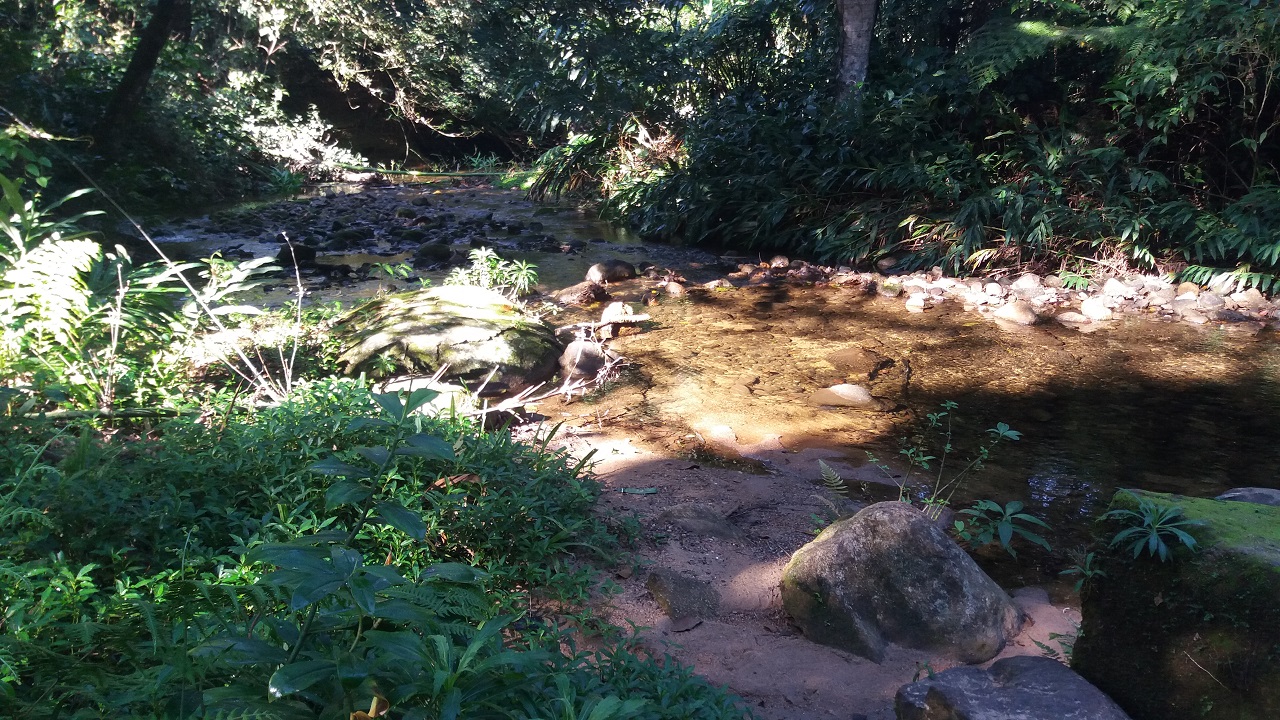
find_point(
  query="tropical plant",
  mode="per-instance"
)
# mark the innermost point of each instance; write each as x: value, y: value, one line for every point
x: 487, y: 270
x: 1152, y: 526
x: 937, y: 492
x: 989, y: 522
x: 1086, y: 566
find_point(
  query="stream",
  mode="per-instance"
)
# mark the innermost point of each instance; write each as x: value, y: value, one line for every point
x: 728, y: 374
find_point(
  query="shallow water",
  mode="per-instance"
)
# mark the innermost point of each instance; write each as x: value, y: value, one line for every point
x: 1138, y: 403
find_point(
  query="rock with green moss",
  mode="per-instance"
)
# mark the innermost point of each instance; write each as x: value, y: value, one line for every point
x: 1197, y: 636
x: 890, y: 575
x: 470, y: 329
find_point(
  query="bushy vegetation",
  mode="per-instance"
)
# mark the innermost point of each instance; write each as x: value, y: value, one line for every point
x: 1128, y: 133
x: 308, y: 560
x: 263, y: 545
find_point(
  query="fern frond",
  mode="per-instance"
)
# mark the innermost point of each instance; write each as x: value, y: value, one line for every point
x: 832, y: 480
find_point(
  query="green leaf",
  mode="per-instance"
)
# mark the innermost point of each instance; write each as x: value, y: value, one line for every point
x: 299, y: 676
x: 314, y: 589
x: 456, y: 572
x: 391, y: 405
x: 377, y: 455
x: 293, y: 557
x: 361, y: 423
x: 345, y: 492
x: 403, y: 519
x: 428, y: 446
x: 420, y: 397
x: 334, y: 466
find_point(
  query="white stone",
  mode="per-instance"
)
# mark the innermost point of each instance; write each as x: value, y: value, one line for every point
x: 1115, y: 288
x: 1095, y: 308
x: 1027, y: 281
x: 994, y: 289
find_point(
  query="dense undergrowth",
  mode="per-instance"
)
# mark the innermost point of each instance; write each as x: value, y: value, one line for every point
x: 303, y: 560
x: 261, y: 540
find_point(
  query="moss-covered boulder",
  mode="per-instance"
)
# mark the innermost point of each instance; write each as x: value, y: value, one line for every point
x: 1197, y: 636
x: 470, y: 329
x: 890, y: 575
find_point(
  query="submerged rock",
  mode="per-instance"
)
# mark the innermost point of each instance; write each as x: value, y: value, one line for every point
x: 1195, y: 636
x: 1015, y: 688
x: 890, y: 575
x: 470, y: 329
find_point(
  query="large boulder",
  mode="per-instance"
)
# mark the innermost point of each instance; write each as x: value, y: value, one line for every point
x: 1015, y: 688
x: 470, y: 329
x: 1197, y: 636
x: 890, y: 575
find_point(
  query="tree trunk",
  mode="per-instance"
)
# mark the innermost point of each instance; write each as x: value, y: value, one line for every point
x: 133, y: 84
x: 857, y: 22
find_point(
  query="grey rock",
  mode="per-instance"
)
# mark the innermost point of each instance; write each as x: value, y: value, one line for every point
x: 1210, y: 301
x: 1018, y: 311
x: 1015, y: 688
x: 888, y: 289
x: 680, y: 595
x: 699, y: 519
x: 1228, y: 315
x: 582, y: 294
x: 610, y: 271
x: 1259, y: 496
x: 583, y: 360
x: 1071, y: 318
x: 890, y: 575
x: 468, y: 328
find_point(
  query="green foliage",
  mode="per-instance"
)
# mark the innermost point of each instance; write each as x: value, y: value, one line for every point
x: 487, y: 270
x: 1086, y: 566
x: 989, y: 522
x: 937, y: 492
x: 306, y: 560
x: 1151, y: 526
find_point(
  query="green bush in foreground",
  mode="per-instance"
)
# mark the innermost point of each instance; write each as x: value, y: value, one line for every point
x: 329, y: 556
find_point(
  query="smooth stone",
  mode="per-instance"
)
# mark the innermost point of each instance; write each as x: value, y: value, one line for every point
x: 1210, y: 301
x: 1259, y: 496
x: 1027, y: 281
x: 1018, y: 311
x: 1114, y: 288
x: 1095, y: 308
x: 1023, y: 687
x: 1071, y: 318
x: 1188, y: 288
x: 994, y: 289
x: 846, y: 395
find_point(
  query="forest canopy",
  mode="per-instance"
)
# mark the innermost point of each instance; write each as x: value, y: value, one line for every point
x: 967, y: 134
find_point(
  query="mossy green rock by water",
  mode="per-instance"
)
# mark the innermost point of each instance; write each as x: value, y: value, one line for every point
x: 471, y: 329
x: 1197, y: 636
